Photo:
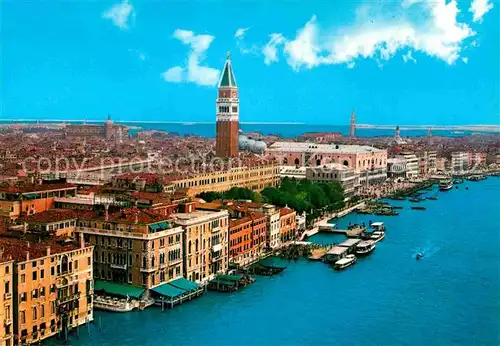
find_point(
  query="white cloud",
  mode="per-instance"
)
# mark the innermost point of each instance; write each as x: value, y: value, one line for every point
x: 193, y: 72
x: 240, y: 33
x: 409, y: 57
x: 465, y: 60
x: 421, y: 26
x: 479, y: 8
x: 174, y: 74
x: 141, y: 55
x: 120, y: 14
x: 270, y: 50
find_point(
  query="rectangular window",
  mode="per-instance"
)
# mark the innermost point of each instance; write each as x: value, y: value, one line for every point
x: 23, y: 278
x: 34, y: 275
x: 22, y: 317
x: 7, y: 287
x: 42, y: 273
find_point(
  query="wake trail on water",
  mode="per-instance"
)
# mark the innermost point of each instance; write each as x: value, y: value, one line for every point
x: 428, y: 251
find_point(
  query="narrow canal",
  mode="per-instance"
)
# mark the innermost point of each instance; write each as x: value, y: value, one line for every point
x: 452, y: 296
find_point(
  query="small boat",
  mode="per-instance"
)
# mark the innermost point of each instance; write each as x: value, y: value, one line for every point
x: 432, y: 198
x: 365, y: 247
x: 418, y: 208
x: 377, y: 236
x: 345, y: 262
x: 378, y: 226
x: 419, y: 256
x: 415, y: 200
x: 466, y: 188
x: 445, y: 185
x: 476, y: 177
x: 397, y: 207
x: 114, y: 304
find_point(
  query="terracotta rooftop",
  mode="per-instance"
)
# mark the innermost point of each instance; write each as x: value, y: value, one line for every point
x: 286, y: 211
x: 16, y: 249
x: 36, y: 188
x: 51, y: 215
x: 129, y: 215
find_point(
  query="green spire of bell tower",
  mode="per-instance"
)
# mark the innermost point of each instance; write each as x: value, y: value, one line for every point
x: 227, y: 78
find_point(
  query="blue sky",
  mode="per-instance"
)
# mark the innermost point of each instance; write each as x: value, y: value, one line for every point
x: 395, y: 62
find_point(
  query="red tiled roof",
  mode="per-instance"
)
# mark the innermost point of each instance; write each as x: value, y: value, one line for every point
x: 128, y: 215
x: 16, y: 249
x: 286, y: 211
x: 237, y: 222
x: 51, y: 215
x: 36, y: 188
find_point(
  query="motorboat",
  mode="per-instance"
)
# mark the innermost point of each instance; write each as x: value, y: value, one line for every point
x: 445, y: 185
x: 419, y: 256
x: 365, y: 247
x: 378, y: 226
x: 345, y: 262
x: 418, y: 208
x: 114, y: 304
x: 377, y: 236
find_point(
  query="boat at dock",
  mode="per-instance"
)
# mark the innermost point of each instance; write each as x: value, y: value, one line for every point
x: 114, y: 304
x: 418, y: 208
x: 365, y: 247
x: 377, y: 236
x: 345, y: 262
x: 458, y: 181
x: 477, y: 177
x: 432, y: 198
x: 378, y: 226
x: 445, y: 184
x: 415, y: 200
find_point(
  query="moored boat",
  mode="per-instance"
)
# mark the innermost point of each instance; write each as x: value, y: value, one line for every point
x: 345, y: 262
x: 445, y: 184
x: 114, y: 304
x: 365, y: 247
x: 377, y: 236
x: 418, y: 208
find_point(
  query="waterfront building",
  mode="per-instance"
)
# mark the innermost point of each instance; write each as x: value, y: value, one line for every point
x: 28, y: 199
x: 134, y: 246
x: 206, y: 242
x: 396, y: 168
x: 320, y: 137
x: 369, y: 162
x: 148, y: 182
x: 273, y: 223
x: 50, y: 288
x: 412, y: 166
x: 253, y: 174
x: 459, y: 161
x: 227, y: 114
x: 427, y: 164
x: 6, y: 299
x: 347, y: 177
x: 300, y: 221
x: 288, y: 230
x: 108, y: 130
x: 476, y: 159
x: 247, y: 237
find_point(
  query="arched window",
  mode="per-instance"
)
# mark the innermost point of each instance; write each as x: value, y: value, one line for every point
x: 318, y: 162
x: 296, y: 162
x: 345, y: 163
x: 285, y: 161
x: 189, y: 247
x: 64, y: 264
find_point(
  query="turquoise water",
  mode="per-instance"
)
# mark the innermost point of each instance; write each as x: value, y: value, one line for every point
x: 451, y: 297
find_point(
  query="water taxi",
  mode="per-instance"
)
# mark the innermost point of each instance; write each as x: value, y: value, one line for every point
x: 365, y: 247
x: 114, y: 304
x: 378, y: 226
x: 377, y: 236
x: 445, y: 185
x: 345, y: 262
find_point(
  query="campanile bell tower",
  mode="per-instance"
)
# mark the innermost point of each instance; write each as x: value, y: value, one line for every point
x: 227, y: 110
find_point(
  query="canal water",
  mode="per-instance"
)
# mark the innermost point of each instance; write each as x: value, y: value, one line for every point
x: 450, y: 297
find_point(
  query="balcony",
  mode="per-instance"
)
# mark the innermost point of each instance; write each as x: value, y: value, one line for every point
x: 119, y: 266
x: 68, y: 298
x: 7, y: 321
x: 7, y: 296
x: 148, y: 270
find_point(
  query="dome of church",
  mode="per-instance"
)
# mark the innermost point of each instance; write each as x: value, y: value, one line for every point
x: 243, y: 142
x: 259, y: 147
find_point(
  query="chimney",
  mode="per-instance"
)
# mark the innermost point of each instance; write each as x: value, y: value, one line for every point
x: 106, y: 212
x: 48, y: 250
x: 27, y: 255
x: 136, y: 221
x: 82, y: 241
